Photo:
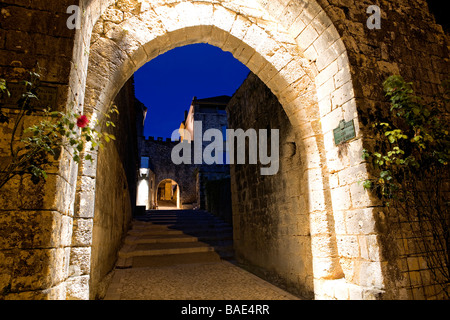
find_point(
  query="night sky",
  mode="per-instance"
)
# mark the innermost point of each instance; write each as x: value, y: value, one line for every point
x: 168, y: 83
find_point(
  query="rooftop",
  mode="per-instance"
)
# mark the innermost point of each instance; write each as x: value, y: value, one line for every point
x: 220, y: 100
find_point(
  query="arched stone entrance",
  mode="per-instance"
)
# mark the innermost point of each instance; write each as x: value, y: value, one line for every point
x: 297, y: 52
x: 168, y: 195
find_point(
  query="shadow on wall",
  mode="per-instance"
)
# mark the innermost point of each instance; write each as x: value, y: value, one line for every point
x: 218, y: 199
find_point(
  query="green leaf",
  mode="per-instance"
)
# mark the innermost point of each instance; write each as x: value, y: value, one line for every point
x: 367, y: 185
x: 384, y: 174
x: 392, y: 139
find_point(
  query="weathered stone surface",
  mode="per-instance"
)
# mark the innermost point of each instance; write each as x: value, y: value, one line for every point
x: 17, y: 232
x: 77, y: 288
x: 267, y: 209
x: 349, y: 60
x: 113, y: 195
x: 29, y: 273
x: 82, y: 232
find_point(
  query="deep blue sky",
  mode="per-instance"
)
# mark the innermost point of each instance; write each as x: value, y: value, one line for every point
x: 168, y: 83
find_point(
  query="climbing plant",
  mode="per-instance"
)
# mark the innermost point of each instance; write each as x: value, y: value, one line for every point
x: 410, y: 154
x: 32, y: 149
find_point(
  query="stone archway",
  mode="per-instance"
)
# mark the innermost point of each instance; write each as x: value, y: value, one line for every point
x: 171, y: 197
x: 297, y: 52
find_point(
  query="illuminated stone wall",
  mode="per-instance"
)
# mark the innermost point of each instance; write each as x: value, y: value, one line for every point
x: 270, y: 215
x: 318, y: 58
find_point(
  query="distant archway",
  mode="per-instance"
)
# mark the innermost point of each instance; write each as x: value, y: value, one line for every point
x: 168, y: 195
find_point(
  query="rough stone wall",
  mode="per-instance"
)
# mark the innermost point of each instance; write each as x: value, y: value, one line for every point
x: 210, y: 120
x: 36, y: 220
x: 218, y: 199
x: 411, y: 44
x: 270, y: 216
x: 115, y: 186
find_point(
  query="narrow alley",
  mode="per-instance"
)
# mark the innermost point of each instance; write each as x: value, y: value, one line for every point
x: 184, y: 255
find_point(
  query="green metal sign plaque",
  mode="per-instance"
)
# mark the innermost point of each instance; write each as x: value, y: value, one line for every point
x: 345, y: 132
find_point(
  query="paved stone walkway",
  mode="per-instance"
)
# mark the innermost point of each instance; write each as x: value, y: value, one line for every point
x: 206, y: 281
x: 184, y: 255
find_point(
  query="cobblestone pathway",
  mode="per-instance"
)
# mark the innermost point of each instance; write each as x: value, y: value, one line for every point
x: 182, y: 255
x: 206, y: 281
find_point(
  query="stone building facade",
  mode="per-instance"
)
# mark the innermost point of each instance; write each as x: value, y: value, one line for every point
x: 191, y: 177
x: 320, y: 60
x: 208, y: 113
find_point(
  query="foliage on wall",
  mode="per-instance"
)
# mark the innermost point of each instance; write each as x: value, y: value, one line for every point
x: 410, y: 154
x: 33, y: 149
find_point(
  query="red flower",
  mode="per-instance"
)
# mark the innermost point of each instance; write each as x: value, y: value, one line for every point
x: 82, y: 121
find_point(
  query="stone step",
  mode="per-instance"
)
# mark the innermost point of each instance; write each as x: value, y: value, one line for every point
x: 192, y: 218
x: 179, y: 237
x: 206, y: 219
x: 181, y: 227
x: 153, y: 249
x: 183, y: 220
x: 185, y: 215
x: 163, y: 238
x: 168, y: 260
x: 180, y: 213
x: 206, y: 231
x: 174, y: 237
x: 145, y: 232
x: 197, y: 227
